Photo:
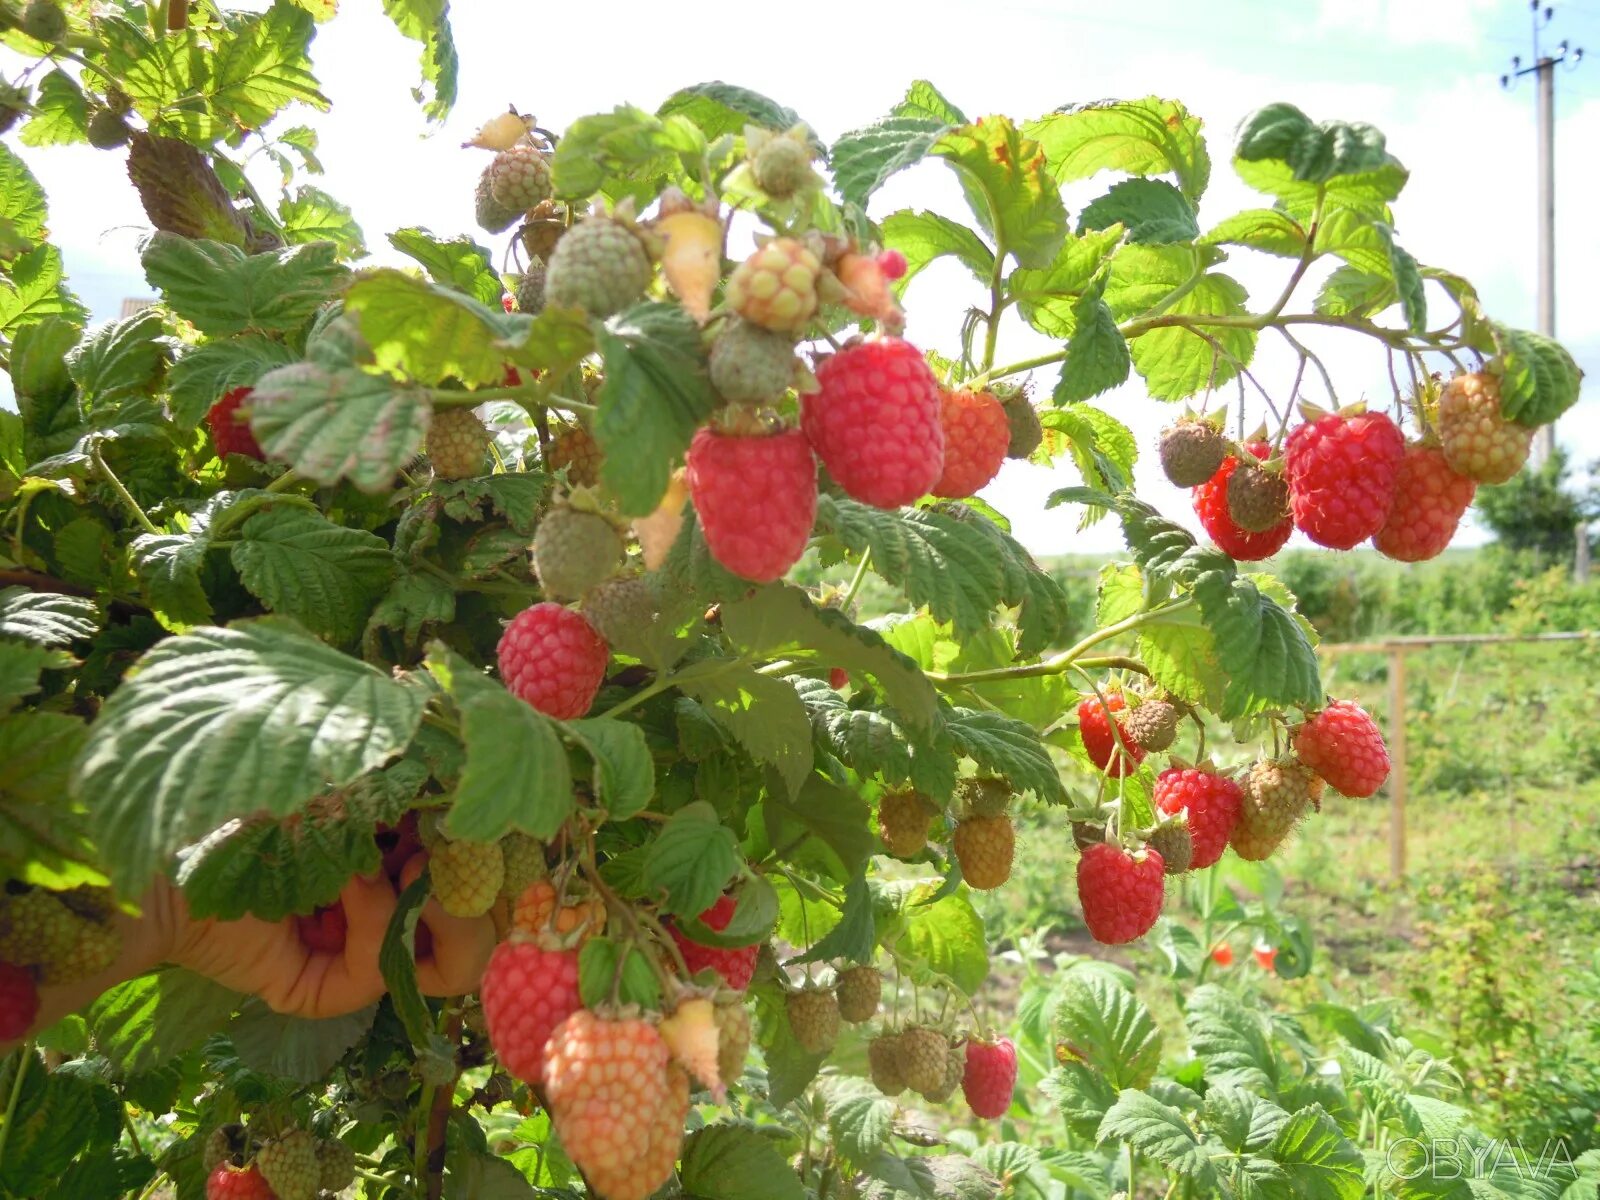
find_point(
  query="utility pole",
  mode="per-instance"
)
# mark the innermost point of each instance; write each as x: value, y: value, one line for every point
x: 1544, y: 71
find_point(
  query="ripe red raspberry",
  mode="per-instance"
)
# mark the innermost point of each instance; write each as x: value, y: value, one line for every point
x: 19, y: 1001
x: 1429, y: 501
x: 1344, y: 746
x: 1121, y: 894
x: 1213, y: 802
x: 736, y: 964
x: 874, y: 422
x: 228, y: 1182
x: 984, y: 847
x: 990, y: 1077
x: 1266, y: 957
x: 1478, y: 442
x: 617, y: 1103
x: 1211, y: 506
x: 977, y: 435
x: 527, y: 991
x: 551, y: 657
x: 230, y: 433
x: 838, y: 678
x: 323, y: 931
x: 1341, y: 473
x: 892, y: 263
x: 756, y: 499
x: 1222, y: 954
x: 1094, y: 726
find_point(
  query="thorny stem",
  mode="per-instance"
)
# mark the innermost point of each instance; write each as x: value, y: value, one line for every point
x: 527, y: 395
x: 116, y: 485
x: 1058, y: 663
x: 997, y: 297
x: 285, y: 481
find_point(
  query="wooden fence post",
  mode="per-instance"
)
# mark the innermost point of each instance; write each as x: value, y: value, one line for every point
x: 1397, y: 771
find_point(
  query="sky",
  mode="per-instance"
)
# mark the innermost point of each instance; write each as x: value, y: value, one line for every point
x: 1426, y: 72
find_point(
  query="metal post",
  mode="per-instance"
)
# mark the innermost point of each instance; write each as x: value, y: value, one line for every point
x: 1397, y: 768
x: 1545, y: 439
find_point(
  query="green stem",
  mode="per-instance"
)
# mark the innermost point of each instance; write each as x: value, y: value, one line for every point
x: 855, y: 581
x: 1306, y: 256
x: 1027, y: 364
x: 997, y: 296
x: 133, y: 1134
x: 285, y: 481
x: 1056, y: 664
x: 663, y: 683
x: 116, y: 485
x: 24, y: 1061
x: 524, y: 394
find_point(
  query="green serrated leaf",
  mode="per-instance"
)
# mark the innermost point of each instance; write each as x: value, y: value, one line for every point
x: 218, y: 723
x: 1264, y: 229
x: 1011, y: 194
x: 148, y: 1021
x: 1142, y: 137
x: 692, y: 859
x: 723, y: 108
x: 459, y: 263
x: 222, y: 290
x: 1109, y: 1028
x: 762, y: 714
x: 1538, y: 378
x: 736, y: 1162
x: 1048, y: 298
x: 607, y: 969
x: 517, y: 774
x: 656, y: 393
x: 295, y: 1048
x: 1159, y: 1132
x: 924, y: 237
x: 326, y: 576
x: 1151, y: 210
x: 854, y: 938
x: 339, y: 423
x: 1321, y: 1161
x: 46, y: 618
x: 199, y: 379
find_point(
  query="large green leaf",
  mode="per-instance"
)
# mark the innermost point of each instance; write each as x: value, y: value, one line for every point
x: 1176, y: 362
x: 263, y: 67
x: 764, y: 715
x: 148, y: 1021
x: 1151, y: 210
x: 737, y: 1162
x: 222, y: 290
x: 1109, y: 1028
x: 656, y: 393
x: 1539, y: 379
x: 43, y: 840
x: 1048, y: 298
x: 723, y: 108
x: 1159, y: 1132
x: 1007, y: 747
x: 300, y: 564
x: 430, y: 332
x: 517, y: 774
x: 1231, y: 1040
x: 333, y: 423
x: 199, y: 379
x: 776, y: 618
x: 1314, y: 152
x: 46, y: 618
x: 428, y: 22
x: 1011, y: 194
x: 220, y: 723
x: 458, y: 263
x: 1264, y: 650
x: 1142, y: 137
x: 1322, y: 1163
x: 925, y: 236
x: 626, y: 152
x: 692, y: 860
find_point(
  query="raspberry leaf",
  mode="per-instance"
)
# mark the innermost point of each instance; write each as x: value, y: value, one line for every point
x: 691, y: 860
x: 625, y: 152
x: 762, y: 714
x: 925, y: 236
x: 149, y: 1021
x: 1151, y: 210
x: 606, y: 969
x: 724, y: 1161
x: 207, y: 371
x: 1048, y: 297
x: 429, y: 23
x: 1012, y: 197
x: 1266, y: 229
x: 340, y: 423
x: 427, y: 331
x: 300, y: 564
x: 1150, y: 136
x: 717, y: 109
x: 1539, y: 379
x: 625, y: 773
x: 223, y: 290
x: 221, y: 722
x: 1109, y: 1027
x: 516, y: 775
x: 1176, y: 362
x: 656, y: 393
x: 1160, y: 1132
x: 1311, y: 1146
x: 458, y: 263
x: 854, y: 938
x: 46, y: 618
x: 397, y: 959
x: 1231, y: 1040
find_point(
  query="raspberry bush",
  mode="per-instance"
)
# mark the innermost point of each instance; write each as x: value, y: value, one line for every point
x: 468, y: 586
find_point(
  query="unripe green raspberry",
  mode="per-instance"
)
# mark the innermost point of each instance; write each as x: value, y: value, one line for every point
x: 814, y: 1019
x: 524, y: 863
x: 1477, y: 440
x: 492, y: 215
x: 93, y: 950
x: 336, y: 1165
x: 1173, y: 841
x: 751, y: 365
x: 118, y: 101
x: 467, y: 876
x: 108, y: 130
x: 289, y: 1165
x: 1026, y: 431
x: 776, y: 287
x: 44, y: 20
x: 955, y: 1066
x: 600, y: 266
x: 519, y: 178
x: 530, y: 289
x: 782, y: 167
x: 924, y: 1055
x: 574, y: 551
x: 456, y: 443
x: 884, y: 1064
x: 225, y: 1144
x: 36, y: 928
x: 860, y: 991
x: 623, y: 611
